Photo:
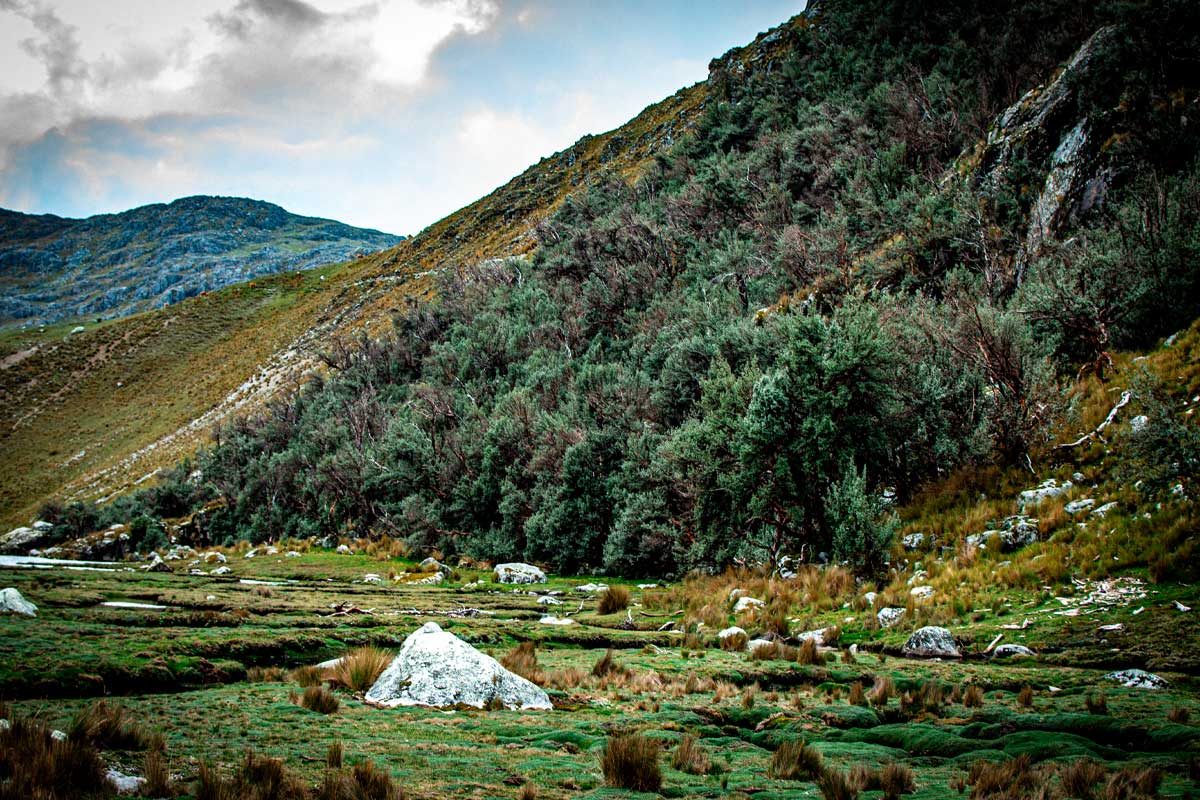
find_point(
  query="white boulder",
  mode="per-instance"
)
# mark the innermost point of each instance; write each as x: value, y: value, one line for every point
x: 1013, y: 651
x: 550, y: 619
x: 1079, y: 506
x: 517, y: 572
x: 155, y: 564
x: 11, y: 602
x: 343, y: 550
x: 124, y: 784
x: 436, y: 668
x: 1137, y: 679
x: 746, y: 603
x: 1044, y: 491
x: 889, y: 616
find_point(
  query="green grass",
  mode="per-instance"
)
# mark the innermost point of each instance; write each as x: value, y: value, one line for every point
x: 185, y: 670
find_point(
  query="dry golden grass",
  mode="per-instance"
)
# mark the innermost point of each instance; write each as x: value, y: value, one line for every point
x: 690, y: 756
x: 630, y: 761
x: 319, y: 699
x: 307, y: 676
x: 613, y: 599
x: 796, y: 761
x: 523, y: 660
x: 360, y: 668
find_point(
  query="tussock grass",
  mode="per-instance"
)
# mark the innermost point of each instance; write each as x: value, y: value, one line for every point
x: 972, y: 697
x: 607, y: 666
x: 690, y: 756
x: 360, y: 668
x: 104, y: 726
x: 883, y: 690
x: 308, y: 676
x: 1079, y: 778
x: 319, y: 699
x: 613, y: 599
x: 33, y: 765
x: 835, y: 785
x: 630, y: 761
x: 808, y: 654
x: 1096, y: 702
x: 796, y: 761
x: 523, y: 661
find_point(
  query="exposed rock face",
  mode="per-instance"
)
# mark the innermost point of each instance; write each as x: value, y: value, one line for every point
x: 11, y: 602
x: 1138, y: 679
x: 1079, y: 506
x: 519, y: 573
x: 1044, y: 126
x: 931, y: 642
x: 436, y: 668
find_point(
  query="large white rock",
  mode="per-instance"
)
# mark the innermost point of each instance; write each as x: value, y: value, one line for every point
x: 124, y: 784
x: 746, y: 603
x: 11, y: 602
x: 889, y: 616
x: 20, y: 539
x: 1138, y: 679
x: 931, y: 642
x: 436, y: 668
x: 516, y: 572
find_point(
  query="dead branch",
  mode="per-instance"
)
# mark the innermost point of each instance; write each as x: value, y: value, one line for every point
x: 1126, y: 396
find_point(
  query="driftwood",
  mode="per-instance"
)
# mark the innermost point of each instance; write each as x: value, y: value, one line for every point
x: 1126, y: 396
x: 995, y: 641
x: 346, y: 609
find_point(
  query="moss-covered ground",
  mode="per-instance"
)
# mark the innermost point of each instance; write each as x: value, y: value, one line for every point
x: 211, y: 672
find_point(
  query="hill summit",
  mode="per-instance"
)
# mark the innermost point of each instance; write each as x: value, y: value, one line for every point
x: 111, y: 265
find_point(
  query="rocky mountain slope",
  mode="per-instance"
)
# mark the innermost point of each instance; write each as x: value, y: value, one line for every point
x: 112, y: 265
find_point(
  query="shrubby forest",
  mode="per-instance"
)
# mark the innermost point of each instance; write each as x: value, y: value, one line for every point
x: 865, y: 268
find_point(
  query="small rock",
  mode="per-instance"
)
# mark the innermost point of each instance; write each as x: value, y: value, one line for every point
x: 11, y: 602
x: 549, y: 601
x: 745, y: 603
x: 372, y: 579
x: 517, y: 572
x: 921, y: 592
x: 1103, y: 510
x: 931, y: 642
x: 58, y: 736
x: 1078, y: 506
x: 210, y: 597
x: 1181, y: 607
x: 343, y: 550
x: 1139, y: 423
x: 913, y: 541
x: 214, y: 558
x: 1012, y: 651
x: 124, y: 784
x: 733, y: 630
x: 870, y: 598
x: 292, y: 554
x: 156, y: 564
x: 645, y: 586
x: 1137, y: 679
x: 221, y: 571
x: 818, y: 635
x: 550, y: 619
x: 1046, y: 490
x: 889, y: 616
x: 591, y: 588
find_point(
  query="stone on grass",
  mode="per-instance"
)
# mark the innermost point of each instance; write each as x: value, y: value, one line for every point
x: 1139, y: 423
x: 913, y: 541
x: 1012, y: 651
x: 1046, y: 490
x: 517, y: 572
x: 343, y: 550
x: 372, y: 579
x: 1014, y: 533
x: 214, y: 558
x: 221, y: 571
x: 733, y: 630
x: 921, y: 592
x: 156, y: 564
x: 889, y: 616
x: 11, y: 602
x: 436, y: 668
x: 745, y: 603
x: 1137, y: 679
x: 549, y: 601
x: 931, y: 642
x: 590, y: 588
x: 292, y: 554
x: 818, y: 635
x: 124, y: 784
x: 1103, y: 510
x: 550, y: 619
x: 1079, y: 506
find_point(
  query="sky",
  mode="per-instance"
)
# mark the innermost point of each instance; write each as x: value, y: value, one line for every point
x: 386, y: 114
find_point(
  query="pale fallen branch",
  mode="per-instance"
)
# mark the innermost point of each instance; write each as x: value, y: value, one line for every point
x: 1126, y: 396
x: 995, y: 642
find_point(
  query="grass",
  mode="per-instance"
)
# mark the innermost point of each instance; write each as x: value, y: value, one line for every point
x: 358, y: 670
x: 630, y: 761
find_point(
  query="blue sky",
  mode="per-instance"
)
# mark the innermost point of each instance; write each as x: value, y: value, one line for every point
x: 381, y: 113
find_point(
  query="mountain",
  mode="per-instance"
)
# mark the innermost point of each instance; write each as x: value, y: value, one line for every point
x: 112, y: 265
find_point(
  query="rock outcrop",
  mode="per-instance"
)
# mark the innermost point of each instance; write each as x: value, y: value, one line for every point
x: 436, y: 668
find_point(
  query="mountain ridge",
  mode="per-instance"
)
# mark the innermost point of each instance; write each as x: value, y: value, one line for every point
x: 110, y: 265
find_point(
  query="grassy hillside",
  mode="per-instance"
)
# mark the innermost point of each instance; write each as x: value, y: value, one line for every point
x: 184, y: 365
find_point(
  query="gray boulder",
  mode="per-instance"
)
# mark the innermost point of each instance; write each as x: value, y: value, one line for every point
x: 1079, y: 506
x: 156, y: 564
x: 519, y: 573
x: 436, y: 668
x: 1013, y: 534
x: 889, y: 616
x: 1012, y: 651
x: 20, y: 539
x: 11, y: 602
x: 914, y: 541
x: 1137, y: 679
x: 1046, y: 490
x: 931, y: 642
